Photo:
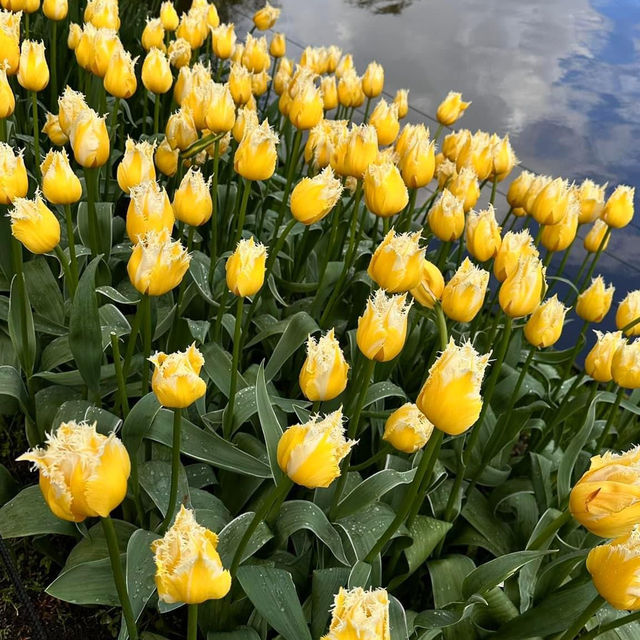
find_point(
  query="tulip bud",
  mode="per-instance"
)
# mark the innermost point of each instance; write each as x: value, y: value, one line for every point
x: 463, y: 296
x: 522, y: 290
x: 476, y: 154
x: 560, y: 236
x: 396, y: 264
x: 451, y: 109
x: 70, y: 105
x: 156, y: 72
x: 324, y: 373
x: 618, y: 210
x: 192, y: 202
x: 33, y: 72
x: 628, y: 311
x: 10, y: 40
x: 179, y: 53
x: 256, y: 155
x: 385, y: 120
x: 102, y: 14
x: 255, y: 56
x: 7, y: 99
x: 266, y: 17
x: 360, y: 614
x: 614, y: 569
x: 354, y: 152
x: 169, y: 16
x: 60, y: 184
x: 245, y: 119
x: 407, y: 429
x: 401, y: 100
x: 504, y: 159
x: 344, y: 64
x: 259, y: 83
x: 53, y: 131
x: 517, y: 193
x: 13, y: 175
x: 223, y: 40
x: 153, y: 35
x: 429, y: 289
x: 450, y: 397
x: 382, y: 328
x: 83, y: 474
x: 329, y: 91
x: 513, y: 246
x: 220, y: 111
x: 544, y: 327
x: 595, y: 236
x: 278, y: 45
x: 34, y: 224
x: 105, y: 45
x: 313, y: 198
x: 193, y: 29
x: 551, y: 203
x: 90, y: 139
x: 350, y: 92
x: 85, y: 49
x: 55, y: 9
x: 373, y: 80
x: 166, y: 158
x: 597, y: 364
x: 454, y: 142
x: 594, y: 303
x: 245, y: 268
x: 120, y: 77
x: 176, y: 378
x: 384, y: 190
x: 625, y: 365
x: 418, y: 163
x: 446, y: 217
x: 464, y: 186
x: 181, y: 130
x: 482, y: 234
x: 157, y: 263
x: 310, y: 453
x: 149, y: 210
x: 188, y: 566
x: 591, y: 197
x: 306, y: 108
x: 136, y: 165
x: 240, y: 83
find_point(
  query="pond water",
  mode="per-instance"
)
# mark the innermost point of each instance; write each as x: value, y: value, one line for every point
x: 561, y: 78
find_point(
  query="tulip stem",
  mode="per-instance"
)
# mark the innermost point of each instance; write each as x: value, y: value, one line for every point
x: 36, y: 134
x: 175, y: 471
x: 113, y: 128
x: 118, y: 576
x: 367, y: 106
x: 603, y: 242
x: 213, y: 253
x: 438, y: 132
x: 576, y: 349
x: 156, y: 112
x: 611, y: 419
x: 555, y: 525
x: 133, y: 335
x: 117, y: 363
x: 54, y: 63
x: 574, y: 630
x: 146, y: 336
x: 235, y: 363
x: 192, y: 622
x: 90, y: 176
x: 291, y: 162
x: 71, y: 240
x: 494, y: 186
x: 442, y: 326
x: 560, y: 269
x: 276, y: 493
x: 246, y: 189
x: 3, y: 130
x: 423, y: 473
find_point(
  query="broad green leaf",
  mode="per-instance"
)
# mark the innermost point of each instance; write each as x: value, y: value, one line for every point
x: 242, y: 633
x: 397, y: 620
x: 477, y: 512
x: 360, y: 575
x: 199, y: 273
x: 118, y: 296
x: 298, y: 329
x: 104, y: 213
x: 84, y: 411
x: 382, y: 390
x: 231, y: 535
x: 325, y: 584
x: 271, y: 429
x: 447, y: 579
x: 44, y: 292
x: 13, y: 393
x: 20, y: 324
x: 89, y: 583
x: 8, y: 486
x: 273, y: 594
x: 155, y: 479
x: 217, y: 364
x: 138, y: 422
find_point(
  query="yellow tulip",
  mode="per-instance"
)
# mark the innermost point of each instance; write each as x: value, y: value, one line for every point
x: 153, y: 34
x: 169, y: 16
x: 85, y: 49
x: 446, y: 217
x: 221, y: 111
x: 451, y: 109
x: 513, y: 246
x: 256, y: 155
x: 255, y: 55
x: 401, y: 99
x: 245, y: 268
x: 83, y: 474
x: 306, y: 108
x: 598, y: 361
x: 310, y: 453
x: 10, y: 40
x: 551, y: 204
x: 618, y: 210
x: 385, y: 193
x: 476, y: 154
x: 625, y: 365
x: 344, y: 64
x: 188, y: 566
x: 355, y: 151
x: 614, y: 568
x: 156, y: 72
x: 313, y: 198
x: 350, y: 93
x: 223, y: 40
x: 181, y: 130
x: 373, y: 80
x: 105, y: 45
x: 517, y: 193
x: 245, y: 118
x: 53, y: 131
x: 239, y: 83
x: 463, y: 296
x: 522, y: 290
x: 445, y: 171
x: 429, y: 289
x: 628, y: 311
x: 179, y: 53
x: 408, y: 136
x: 259, y: 83
x: 384, y: 118
x: 482, y: 234
x: 407, y: 429
x: 103, y: 14
x: 278, y: 45
x: 360, y: 615
x: 595, y: 236
x: 192, y: 202
x: 396, y: 264
x: 149, y: 210
x: 70, y: 105
x: 329, y: 91
x: 560, y: 236
x: 503, y: 157
x: 213, y: 19
x: 13, y: 175
x: 60, y: 184
x: 454, y: 142
x: 166, y: 158
x: 324, y: 372
x: 544, y: 327
x: 192, y: 28
x: 418, y: 163
x: 33, y: 71
x: 157, y: 264
x: 464, y: 186
x: 176, y: 378
x: 55, y: 9
x: 382, y: 328
x: 450, y: 397
x: 89, y: 139
x: 34, y: 224
x: 591, y: 197
x: 594, y: 302
x: 266, y: 17
x: 136, y: 165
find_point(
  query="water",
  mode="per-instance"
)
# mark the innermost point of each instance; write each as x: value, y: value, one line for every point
x: 561, y: 78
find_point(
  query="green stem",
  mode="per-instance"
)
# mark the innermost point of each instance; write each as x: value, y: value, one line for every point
x: 144, y: 111
x: 65, y: 266
x: 133, y: 335
x: 603, y: 242
x: 408, y: 217
x: 610, y: 626
x: 146, y: 336
x: 384, y: 450
x: 367, y: 106
x: 175, y: 471
x: 523, y: 373
x: 442, y: 326
x: 3, y: 130
x: 156, y: 113
x: 192, y: 622
x: 574, y: 354
x: 54, y: 63
x: 438, y: 132
x: 235, y: 363
x: 90, y: 176
x: 246, y: 189
x: 118, y: 576
x: 113, y: 127
x: 117, y: 363
x: 297, y: 138
x: 36, y: 134
x: 494, y: 186
x: 213, y: 253
x: 555, y: 525
x: 574, y: 630
x: 611, y: 419
x: 630, y: 325
x: 72, y: 248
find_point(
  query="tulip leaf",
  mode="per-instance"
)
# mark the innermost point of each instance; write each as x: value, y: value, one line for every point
x: 199, y: 273
x: 85, y: 337
x: 88, y: 583
x: 232, y: 533
x: 273, y: 594
x: 325, y: 584
x: 397, y: 620
x: 44, y: 291
x: 138, y: 422
x: 12, y: 391
x: 104, y: 214
x: 381, y: 390
x: 242, y: 633
x: 117, y: 296
x: 360, y: 575
x: 28, y: 514
x: 21, y: 325
x: 271, y: 429
x: 217, y: 364
x: 155, y: 479
x: 84, y: 411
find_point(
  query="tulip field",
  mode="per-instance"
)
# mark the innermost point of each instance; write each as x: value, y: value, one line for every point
x: 279, y: 363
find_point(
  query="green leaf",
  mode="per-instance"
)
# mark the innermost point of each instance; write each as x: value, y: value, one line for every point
x: 87, y: 583
x: 155, y: 479
x: 242, y: 633
x: 372, y: 489
x: 43, y: 289
x: 139, y: 421
x: 28, y: 515
x: 8, y: 486
x: 20, y: 324
x: 325, y: 584
x: 117, y: 296
x: 271, y: 429
x: 360, y: 575
x: 302, y: 514
x: 82, y: 410
x: 382, y: 390
x: 447, y: 577
x: 299, y: 327
x: 397, y: 620
x: 492, y: 573
x: 104, y: 213
x: 13, y: 393
x: 273, y: 594
x: 199, y: 272
x: 85, y: 337
x: 217, y: 364
x: 230, y: 537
